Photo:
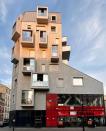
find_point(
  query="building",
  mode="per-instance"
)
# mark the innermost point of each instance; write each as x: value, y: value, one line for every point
x: 46, y: 91
x: 4, y: 104
x: 105, y: 108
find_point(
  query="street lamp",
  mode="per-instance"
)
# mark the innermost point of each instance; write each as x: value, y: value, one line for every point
x: 13, y: 124
x: 83, y: 127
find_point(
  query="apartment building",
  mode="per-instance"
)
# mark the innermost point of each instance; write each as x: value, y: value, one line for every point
x: 4, y: 104
x: 46, y: 91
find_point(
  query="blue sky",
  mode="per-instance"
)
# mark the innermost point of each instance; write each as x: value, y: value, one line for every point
x: 83, y: 21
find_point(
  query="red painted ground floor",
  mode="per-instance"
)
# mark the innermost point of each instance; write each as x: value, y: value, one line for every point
x: 63, y: 110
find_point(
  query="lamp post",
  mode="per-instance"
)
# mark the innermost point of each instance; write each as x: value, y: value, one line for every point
x: 13, y: 124
x: 83, y: 127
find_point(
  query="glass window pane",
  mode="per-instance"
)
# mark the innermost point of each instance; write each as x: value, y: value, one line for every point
x: 27, y: 97
x: 34, y: 78
x: 26, y: 35
x: 45, y: 77
x: 78, y: 81
x: 54, y: 50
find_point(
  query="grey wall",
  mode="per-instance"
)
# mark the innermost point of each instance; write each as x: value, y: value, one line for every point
x: 90, y: 85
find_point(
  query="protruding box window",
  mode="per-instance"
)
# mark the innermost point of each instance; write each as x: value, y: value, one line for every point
x: 43, y: 36
x: 78, y: 81
x: 27, y: 97
x: 16, y: 31
x: 27, y: 38
x: 42, y: 11
x: 43, y: 39
x: 26, y: 35
x: 42, y: 15
x: 55, y: 50
x: 55, y: 55
x: 28, y: 66
x: 40, y: 80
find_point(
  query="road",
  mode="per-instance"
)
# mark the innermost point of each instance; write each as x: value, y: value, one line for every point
x: 53, y: 129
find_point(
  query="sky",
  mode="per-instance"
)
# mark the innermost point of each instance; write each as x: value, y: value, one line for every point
x: 83, y: 22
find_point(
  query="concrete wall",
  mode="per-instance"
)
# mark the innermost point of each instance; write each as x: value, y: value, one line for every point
x: 90, y: 85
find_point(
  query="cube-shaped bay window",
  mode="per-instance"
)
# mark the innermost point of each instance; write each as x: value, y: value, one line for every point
x: 42, y: 15
x: 16, y: 31
x: 27, y: 98
x: 54, y: 54
x: 40, y: 81
x: 43, y: 39
x: 28, y: 66
x: 27, y: 38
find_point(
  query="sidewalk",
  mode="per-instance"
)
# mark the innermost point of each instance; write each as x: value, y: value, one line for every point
x: 53, y: 129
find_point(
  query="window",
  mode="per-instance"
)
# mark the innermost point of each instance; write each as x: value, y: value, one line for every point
x: 39, y: 80
x: 13, y: 99
x: 26, y: 35
x: 54, y: 50
x: 53, y: 28
x: 60, y: 82
x: 28, y: 61
x: 43, y: 67
x: 43, y: 36
x: 15, y: 83
x: 78, y: 81
x: 40, y: 77
x: 27, y: 97
x: 29, y: 64
x: 54, y: 18
x: 42, y: 11
x: 28, y: 26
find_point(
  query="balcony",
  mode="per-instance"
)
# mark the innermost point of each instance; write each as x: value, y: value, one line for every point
x: 64, y: 40
x: 27, y: 38
x: 66, y: 52
x: 42, y: 15
x: 40, y: 81
x: 28, y: 66
x: 14, y: 58
x: 16, y: 32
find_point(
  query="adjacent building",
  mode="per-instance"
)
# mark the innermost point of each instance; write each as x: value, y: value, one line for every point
x: 46, y: 91
x: 4, y: 104
x: 105, y: 108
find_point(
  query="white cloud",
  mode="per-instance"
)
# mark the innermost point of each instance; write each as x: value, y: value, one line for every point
x: 4, y: 4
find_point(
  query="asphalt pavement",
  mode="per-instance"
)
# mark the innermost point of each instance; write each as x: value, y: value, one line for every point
x: 53, y: 129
